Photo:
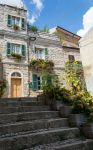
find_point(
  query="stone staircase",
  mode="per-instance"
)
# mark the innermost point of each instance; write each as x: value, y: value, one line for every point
x: 28, y: 124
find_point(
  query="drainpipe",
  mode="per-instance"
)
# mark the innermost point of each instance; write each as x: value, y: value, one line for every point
x: 30, y: 38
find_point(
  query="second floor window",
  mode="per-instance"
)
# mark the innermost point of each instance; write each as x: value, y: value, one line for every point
x: 41, y: 53
x: 13, y: 20
x: 71, y: 58
x: 16, y: 48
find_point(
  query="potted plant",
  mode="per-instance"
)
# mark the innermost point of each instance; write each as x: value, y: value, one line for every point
x: 40, y: 64
x: 16, y: 27
x: 79, y: 112
x: 17, y: 56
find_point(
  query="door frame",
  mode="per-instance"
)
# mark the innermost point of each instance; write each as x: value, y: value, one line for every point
x: 10, y: 81
x: 12, y: 78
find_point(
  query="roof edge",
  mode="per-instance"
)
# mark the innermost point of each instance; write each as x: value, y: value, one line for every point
x: 68, y: 31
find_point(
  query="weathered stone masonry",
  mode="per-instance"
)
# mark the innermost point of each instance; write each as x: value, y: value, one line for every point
x: 56, y: 52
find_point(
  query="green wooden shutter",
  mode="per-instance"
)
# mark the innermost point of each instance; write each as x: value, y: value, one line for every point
x: 34, y: 82
x: 46, y: 51
x: 23, y: 23
x: 8, y: 48
x: 9, y: 20
x: 23, y: 50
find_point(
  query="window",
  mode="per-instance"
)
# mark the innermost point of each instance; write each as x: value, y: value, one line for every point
x: 16, y: 74
x: 16, y: 48
x: 13, y: 20
x: 40, y: 53
x: 36, y: 82
x: 71, y: 58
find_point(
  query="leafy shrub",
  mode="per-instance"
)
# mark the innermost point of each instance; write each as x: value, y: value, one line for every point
x: 74, y: 76
x: 32, y: 28
x: 82, y: 103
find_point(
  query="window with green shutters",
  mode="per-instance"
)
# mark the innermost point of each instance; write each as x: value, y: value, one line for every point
x: 13, y: 20
x: 9, y: 20
x: 16, y: 48
x: 8, y: 48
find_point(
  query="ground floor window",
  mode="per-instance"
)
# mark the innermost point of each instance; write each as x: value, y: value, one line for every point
x: 36, y: 82
x: 39, y: 81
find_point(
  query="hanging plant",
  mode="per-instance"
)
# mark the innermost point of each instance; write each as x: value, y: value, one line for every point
x: 16, y: 27
x: 41, y: 64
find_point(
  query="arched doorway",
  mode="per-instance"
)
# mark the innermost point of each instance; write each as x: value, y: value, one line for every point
x: 16, y: 84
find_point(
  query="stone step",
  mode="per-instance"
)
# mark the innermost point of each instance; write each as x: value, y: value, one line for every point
x: 72, y: 144
x: 13, y: 109
x: 22, y: 142
x: 27, y: 116
x: 12, y: 129
x: 19, y: 99
x: 20, y: 103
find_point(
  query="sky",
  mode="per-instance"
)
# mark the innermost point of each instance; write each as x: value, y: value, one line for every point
x: 73, y: 15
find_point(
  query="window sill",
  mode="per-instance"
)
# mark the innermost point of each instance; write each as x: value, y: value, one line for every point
x: 12, y: 28
x: 15, y: 58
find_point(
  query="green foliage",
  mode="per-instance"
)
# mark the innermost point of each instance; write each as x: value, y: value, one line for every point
x: 16, y: 27
x: 32, y: 28
x: 17, y: 56
x: 40, y: 64
x: 2, y: 87
x: 82, y: 103
x: 50, y: 85
x: 53, y: 90
x: 74, y: 76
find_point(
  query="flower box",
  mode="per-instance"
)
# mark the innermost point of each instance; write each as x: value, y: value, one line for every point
x: 17, y: 56
x: 16, y: 27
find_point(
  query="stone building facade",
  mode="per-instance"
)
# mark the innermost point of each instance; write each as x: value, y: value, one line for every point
x: 16, y: 40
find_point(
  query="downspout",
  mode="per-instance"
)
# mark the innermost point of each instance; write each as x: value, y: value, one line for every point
x: 33, y: 38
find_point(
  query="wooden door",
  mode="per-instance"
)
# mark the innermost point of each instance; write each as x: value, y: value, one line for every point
x: 16, y: 87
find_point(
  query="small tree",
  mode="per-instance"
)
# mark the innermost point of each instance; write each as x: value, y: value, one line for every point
x: 32, y: 28
x: 74, y: 76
